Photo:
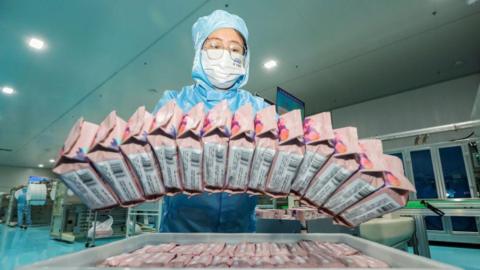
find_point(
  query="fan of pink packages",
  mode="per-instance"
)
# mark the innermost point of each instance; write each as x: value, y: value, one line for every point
x: 331, y: 171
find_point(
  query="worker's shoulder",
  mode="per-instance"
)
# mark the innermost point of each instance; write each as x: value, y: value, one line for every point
x: 257, y: 101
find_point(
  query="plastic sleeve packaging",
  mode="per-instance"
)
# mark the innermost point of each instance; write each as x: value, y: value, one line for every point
x: 241, y: 148
x: 162, y: 139
x: 190, y: 150
x: 289, y: 156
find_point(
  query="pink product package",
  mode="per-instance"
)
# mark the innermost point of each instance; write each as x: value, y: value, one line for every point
x: 110, y: 163
x: 289, y: 156
x: 215, y: 134
x: 318, y: 135
x: 363, y: 261
x: 242, y: 262
x: 200, y: 261
x: 280, y: 260
x: 163, y: 133
x: 75, y: 171
x: 161, y: 248
x: 323, y: 260
x: 338, y: 249
x: 140, y: 155
x: 262, y: 262
x: 190, y: 148
x: 361, y: 184
x: 135, y: 261
x: 214, y: 249
x: 262, y: 249
x: 391, y: 196
x: 228, y: 250
x: 266, y: 144
x: 221, y: 262
x: 296, y: 249
x: 337, y: 169
x: 115, y: 260
x: 241, y: 148
x: 279, y: 249
x: 179, y: 261
x: 190, y: 249
x: 245, y: 250
x: 302, y: 261
x: 158, y: 260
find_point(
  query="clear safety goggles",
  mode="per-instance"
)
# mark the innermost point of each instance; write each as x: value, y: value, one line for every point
x: 215, y: 48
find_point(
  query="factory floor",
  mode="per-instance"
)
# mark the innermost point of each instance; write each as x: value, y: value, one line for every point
x: 20, y: 247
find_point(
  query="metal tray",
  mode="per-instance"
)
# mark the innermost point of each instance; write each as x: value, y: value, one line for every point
x: 87, y: 259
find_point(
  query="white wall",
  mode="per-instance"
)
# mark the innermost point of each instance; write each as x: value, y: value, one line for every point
x: 438, y: 104
x: 14, y: 176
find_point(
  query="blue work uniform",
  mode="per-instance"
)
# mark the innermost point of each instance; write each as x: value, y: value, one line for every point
x: 23, y: 207
x: 218, y: 212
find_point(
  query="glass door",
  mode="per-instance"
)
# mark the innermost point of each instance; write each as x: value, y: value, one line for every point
x: 456, y: 184
x: 424, y: 178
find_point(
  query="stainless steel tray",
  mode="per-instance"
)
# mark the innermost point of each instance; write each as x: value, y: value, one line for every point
x: 87, y: 259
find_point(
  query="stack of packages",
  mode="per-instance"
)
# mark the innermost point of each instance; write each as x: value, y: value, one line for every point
x: 150, y: 156
x: 302, y: 254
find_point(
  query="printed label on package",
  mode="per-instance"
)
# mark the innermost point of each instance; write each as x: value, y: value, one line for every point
x: 375, y: 207
x: 284, y: 170
x: 117, y: 175
x: 325, y: 184
x: 311, y: 164
x: 354, y: 192
x: 85, y: 184
x: 167, y: 157
x: 262, y: 161
x: 214, y: 163
x: 239, y: 161
x: 144, y: 167
x: 192, y: 173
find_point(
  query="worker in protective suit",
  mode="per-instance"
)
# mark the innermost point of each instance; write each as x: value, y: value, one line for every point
x: 220, y: 69
x: 23, y: 207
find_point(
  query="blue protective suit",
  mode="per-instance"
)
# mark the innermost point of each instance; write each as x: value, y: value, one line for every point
x: 220, y: 212
x: 23, y: 207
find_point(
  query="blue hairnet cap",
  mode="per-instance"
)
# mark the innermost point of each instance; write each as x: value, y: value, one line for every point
x: 218, y: 19
x: 201, y: 29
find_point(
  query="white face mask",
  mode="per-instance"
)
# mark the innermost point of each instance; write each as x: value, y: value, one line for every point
x: 223, y: 72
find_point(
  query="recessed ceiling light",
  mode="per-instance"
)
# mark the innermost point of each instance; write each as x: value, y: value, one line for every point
x: 270, y: 64
x: 36, y: 43
x: 8, y: 90
x: 40, y: 165
x: 51, y: 160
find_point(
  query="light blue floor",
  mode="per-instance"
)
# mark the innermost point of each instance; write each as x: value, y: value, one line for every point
x: 466, y: 258
x: 20, y: 247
